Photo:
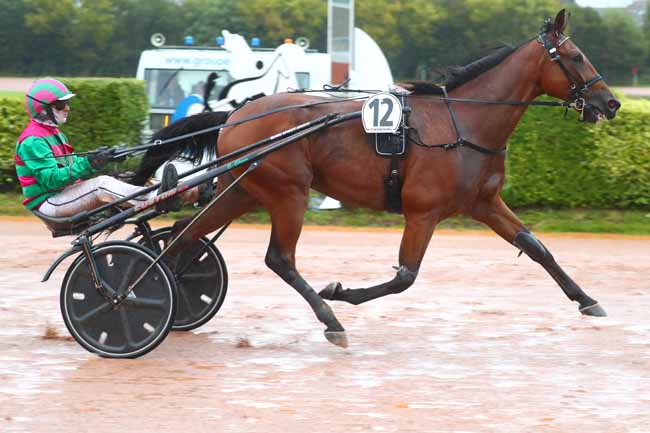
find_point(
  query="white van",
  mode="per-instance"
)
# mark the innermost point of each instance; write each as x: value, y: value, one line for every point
x: 173, y: 72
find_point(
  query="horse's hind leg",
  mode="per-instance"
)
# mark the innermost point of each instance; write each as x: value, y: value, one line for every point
x: 502, y: 220
x: 417, y: 234
x: 233, y: 204
x: 287, y: 219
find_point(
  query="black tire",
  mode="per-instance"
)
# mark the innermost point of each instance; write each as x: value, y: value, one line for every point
x: 202, y: 287
x: 140, y: 323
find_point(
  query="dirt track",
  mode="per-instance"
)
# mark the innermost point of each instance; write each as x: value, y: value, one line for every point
x: 483, y: 342
x: 15, y: 84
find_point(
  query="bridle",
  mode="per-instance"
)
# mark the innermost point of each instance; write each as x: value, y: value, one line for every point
x: 576, y: 98
x: 576, y: 93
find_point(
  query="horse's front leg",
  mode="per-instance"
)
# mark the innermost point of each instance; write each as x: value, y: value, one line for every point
x: 418, y: 230
x: 496, y: 214
x: 287, y: 216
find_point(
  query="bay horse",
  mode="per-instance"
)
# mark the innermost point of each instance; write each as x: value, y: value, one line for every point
x: 438, y: 183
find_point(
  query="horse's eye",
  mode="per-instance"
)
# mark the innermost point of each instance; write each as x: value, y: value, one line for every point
x: 578, y: 58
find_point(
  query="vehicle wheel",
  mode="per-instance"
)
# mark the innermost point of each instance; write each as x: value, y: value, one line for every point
x: 201, y: 284
x: 135, y: 326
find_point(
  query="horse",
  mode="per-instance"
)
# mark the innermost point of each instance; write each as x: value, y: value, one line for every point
x: 437, y: 182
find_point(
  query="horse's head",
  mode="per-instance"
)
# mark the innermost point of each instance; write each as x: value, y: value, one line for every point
x: 567, y: 74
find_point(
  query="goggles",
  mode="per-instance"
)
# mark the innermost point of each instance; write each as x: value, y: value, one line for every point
x: 58, y: 104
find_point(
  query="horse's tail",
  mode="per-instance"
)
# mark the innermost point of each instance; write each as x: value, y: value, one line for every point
x: 191, y: 149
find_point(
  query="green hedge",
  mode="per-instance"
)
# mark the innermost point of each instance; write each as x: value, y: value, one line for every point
x: 105, y: 112
x: 13, y: 119
x: 566, y: 163
x: 551, y: 161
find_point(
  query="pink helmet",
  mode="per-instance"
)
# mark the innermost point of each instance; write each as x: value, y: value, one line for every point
x: 43, y: 93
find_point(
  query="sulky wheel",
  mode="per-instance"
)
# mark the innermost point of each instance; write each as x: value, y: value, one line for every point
x: 202, y: 283
x: 136, y: 325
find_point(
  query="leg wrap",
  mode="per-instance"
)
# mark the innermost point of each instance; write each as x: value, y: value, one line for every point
x: 529, y: 244
x: 404, y: 279
x: 526, y: 242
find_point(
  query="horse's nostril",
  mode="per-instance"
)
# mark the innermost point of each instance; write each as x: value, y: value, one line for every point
x: 613, y: 104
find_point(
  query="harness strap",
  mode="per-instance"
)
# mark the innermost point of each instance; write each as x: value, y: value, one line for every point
x: 481, y: 149
x: 460, y: 141
x: 451, y: 113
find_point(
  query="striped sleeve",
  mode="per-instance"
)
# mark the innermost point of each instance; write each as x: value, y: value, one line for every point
x: 37, y: 156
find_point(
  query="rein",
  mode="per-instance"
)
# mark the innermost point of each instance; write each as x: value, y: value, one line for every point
x: 238, y: 122
x: 576, y: 101
x: 121, y: 152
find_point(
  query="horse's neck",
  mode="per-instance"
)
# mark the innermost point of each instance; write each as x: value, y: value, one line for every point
x: 515, y: 79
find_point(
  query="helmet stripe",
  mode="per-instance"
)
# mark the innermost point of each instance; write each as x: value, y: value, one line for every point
x: 56, y: 83
x: 53, y: 88
x: 45, y: 95
x: 31, y: 110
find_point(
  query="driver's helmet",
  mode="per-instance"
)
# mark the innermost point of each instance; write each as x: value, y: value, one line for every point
x: 43, y: 94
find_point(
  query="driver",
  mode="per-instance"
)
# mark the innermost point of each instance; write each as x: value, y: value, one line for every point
x: 59, y: 184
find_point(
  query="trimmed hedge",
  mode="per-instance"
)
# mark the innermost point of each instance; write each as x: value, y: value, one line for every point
x: 565, y: 163
x: 105, y: 112
x: 13, y: 118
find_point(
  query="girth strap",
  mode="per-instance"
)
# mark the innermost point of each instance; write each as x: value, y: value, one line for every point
x: 393, y: 188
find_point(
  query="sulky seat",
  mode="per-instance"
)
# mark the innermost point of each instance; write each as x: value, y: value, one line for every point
x: 65, y: 226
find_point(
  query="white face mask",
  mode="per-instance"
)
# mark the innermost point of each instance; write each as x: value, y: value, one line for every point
x: 60, y: 116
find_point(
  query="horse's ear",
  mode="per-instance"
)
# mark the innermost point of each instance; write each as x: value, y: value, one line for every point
x: 561, y: 20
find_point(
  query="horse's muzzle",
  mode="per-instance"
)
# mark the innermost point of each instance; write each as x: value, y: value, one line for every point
x: 612, y: 107
x: 602, y: 107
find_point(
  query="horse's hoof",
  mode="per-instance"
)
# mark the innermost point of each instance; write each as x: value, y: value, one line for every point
x: 593, y: 310
x: 329, y: 291
x: 338, y: 338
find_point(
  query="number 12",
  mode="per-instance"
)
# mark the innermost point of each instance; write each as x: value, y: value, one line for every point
x: 384, y: 120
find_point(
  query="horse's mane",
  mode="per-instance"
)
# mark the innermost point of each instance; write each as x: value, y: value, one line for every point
x: 455, y: 76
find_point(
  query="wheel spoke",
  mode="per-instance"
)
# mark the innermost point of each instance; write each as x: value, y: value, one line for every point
x: 185, y: 299
x: 127, y: 329
x: 92, y: 313
x: 126, y: 275
x: 198, y: 275
x: 147, y: 303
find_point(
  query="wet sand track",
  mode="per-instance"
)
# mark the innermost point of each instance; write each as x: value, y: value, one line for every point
x: 483, y: 342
